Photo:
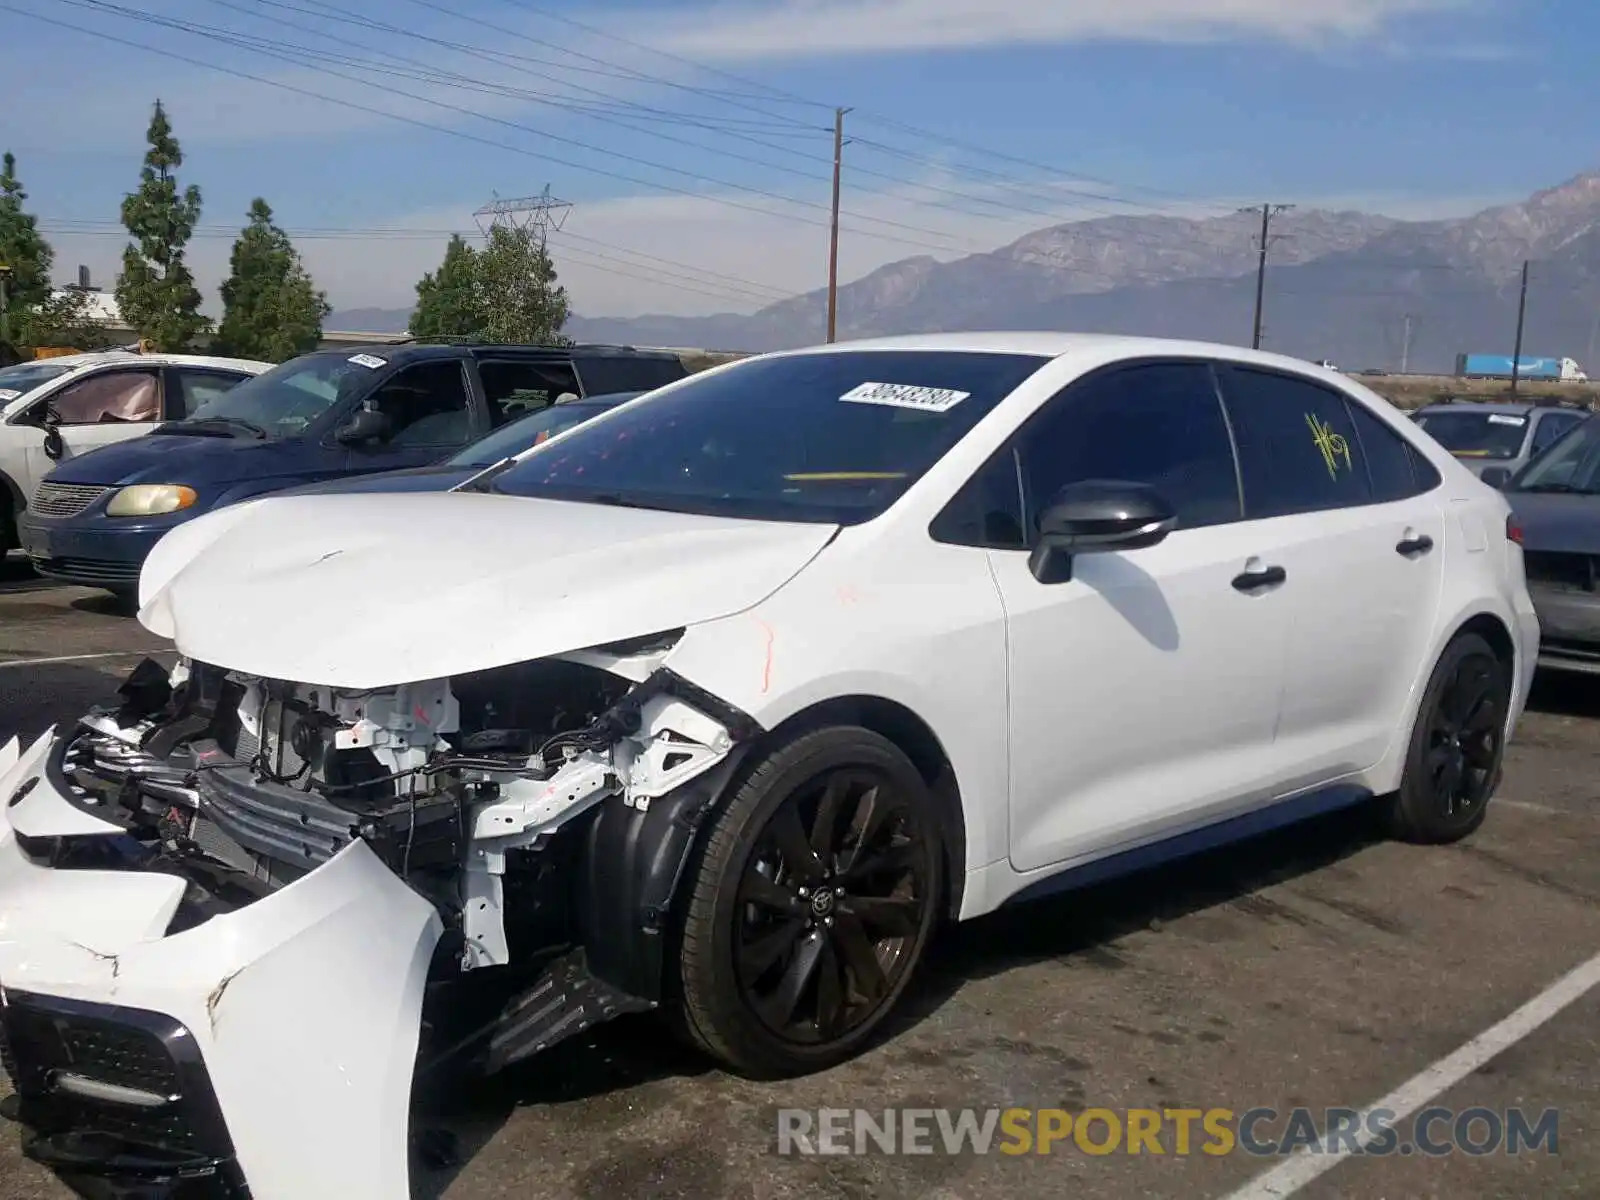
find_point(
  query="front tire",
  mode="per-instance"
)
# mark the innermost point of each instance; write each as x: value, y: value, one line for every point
x: 1454, y: 762
x: 811, y: 906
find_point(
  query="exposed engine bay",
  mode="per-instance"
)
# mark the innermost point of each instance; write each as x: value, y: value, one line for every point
x: 482, y: 792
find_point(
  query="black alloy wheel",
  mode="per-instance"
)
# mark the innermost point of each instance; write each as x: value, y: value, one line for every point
x: 1465, y: 732
x: 830, y: 906
x: 816, y: 891
x: 1454, y: 761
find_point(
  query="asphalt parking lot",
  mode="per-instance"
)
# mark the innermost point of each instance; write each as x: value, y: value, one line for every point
x: 1320, y: 967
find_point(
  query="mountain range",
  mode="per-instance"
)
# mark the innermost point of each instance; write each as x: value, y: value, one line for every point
x: 1361, y: 289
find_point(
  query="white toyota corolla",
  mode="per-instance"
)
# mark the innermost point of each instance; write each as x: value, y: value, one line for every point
x: 720, y: 703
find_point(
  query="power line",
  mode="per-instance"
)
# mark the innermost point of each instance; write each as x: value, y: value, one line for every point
x: 499, y: 145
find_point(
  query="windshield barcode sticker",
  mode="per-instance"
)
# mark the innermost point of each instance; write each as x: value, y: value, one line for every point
x: 371, y: 361
x: 905, y: 395
x: 8, y: 394
x: 1502, y: 419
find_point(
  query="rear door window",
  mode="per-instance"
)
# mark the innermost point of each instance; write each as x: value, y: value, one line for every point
x: 1298, y: 447
x: 515, y: 389
x: 1392, y: 464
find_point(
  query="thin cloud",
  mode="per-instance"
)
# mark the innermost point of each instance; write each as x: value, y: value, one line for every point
x: 740, y: 30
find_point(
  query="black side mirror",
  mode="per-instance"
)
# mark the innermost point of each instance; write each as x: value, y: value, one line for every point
x: 1094, y: 517
x: 1496, y: 477
x: 367, y: 425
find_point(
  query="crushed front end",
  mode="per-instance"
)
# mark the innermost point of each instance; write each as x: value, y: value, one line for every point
x: 240, y: 918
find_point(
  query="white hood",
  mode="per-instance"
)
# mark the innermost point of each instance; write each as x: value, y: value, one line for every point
x: 366, y: 591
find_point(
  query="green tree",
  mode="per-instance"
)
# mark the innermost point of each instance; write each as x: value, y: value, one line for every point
x: 271, y: 310
x: 156, y: 291
x: 449, y: 301
x: 22, y: 248
x: 517, y: 280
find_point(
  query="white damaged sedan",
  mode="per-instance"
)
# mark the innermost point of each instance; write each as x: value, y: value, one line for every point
x: 719, y: 704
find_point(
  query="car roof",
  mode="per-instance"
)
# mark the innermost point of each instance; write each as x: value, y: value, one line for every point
x: 396, y: 352
x: 1059, y: 345
x: 100, y: 358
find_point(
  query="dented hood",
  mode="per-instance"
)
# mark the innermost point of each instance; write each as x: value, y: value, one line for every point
x: 362, y: 591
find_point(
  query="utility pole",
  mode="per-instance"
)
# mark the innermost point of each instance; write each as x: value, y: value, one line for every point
x: 1268, y: 211
x: 833, y: 233
x: 1522, y: 313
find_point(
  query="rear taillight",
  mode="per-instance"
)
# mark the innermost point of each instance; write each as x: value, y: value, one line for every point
x: 1513, y: 529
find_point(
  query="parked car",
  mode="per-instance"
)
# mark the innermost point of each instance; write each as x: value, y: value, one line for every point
x: 1556, y: 502
x: 522, y: 434
x: 723, y: 701
x: 323, y: 416
x: 1495, y: 433
x: 55, y: 409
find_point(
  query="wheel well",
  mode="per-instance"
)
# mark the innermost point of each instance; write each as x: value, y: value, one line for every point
x: 1492, y: 630
x: 898, y: 724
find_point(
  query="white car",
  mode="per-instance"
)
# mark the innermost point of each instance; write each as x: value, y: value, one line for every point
x: 722, y: 702
x: 92, y: 400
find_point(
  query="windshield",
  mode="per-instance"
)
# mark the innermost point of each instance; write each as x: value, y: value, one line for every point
x: 527, y: 432
x: 24, y: 377
x: 282, y: 402
x: 830, y: 437
x: 1571, y: 464
x: 1477, y: 434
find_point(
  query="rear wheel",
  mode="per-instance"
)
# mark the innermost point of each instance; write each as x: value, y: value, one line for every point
x: 815, y: 897
x: 1453, y: 764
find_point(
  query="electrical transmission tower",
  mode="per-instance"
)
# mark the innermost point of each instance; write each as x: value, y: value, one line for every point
x: 540, y: 213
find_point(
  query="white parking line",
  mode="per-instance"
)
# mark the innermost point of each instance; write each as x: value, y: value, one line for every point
x: 66, y: 658
x: 1300, y: 1169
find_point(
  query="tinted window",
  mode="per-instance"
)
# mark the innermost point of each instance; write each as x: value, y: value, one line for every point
x: 1550, y: 427
x: 515, y: 389
x: 109, y: 396
x: 1477, y: 434
x: 1298, y: 447
x: 835, y: 436
x: 988, y: 510
x: 529, y: 431
x: 286, y: 399
x: 1387, y: 455
x: 1572, y: 466
x: 426, y: 406
x: 1159, y: 424
x: 190, y: 389
x: 621, y: 374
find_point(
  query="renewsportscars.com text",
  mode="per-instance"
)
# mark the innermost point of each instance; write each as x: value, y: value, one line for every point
x: 1262, y: 1132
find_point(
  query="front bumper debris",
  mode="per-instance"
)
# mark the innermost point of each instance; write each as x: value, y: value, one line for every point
x: 242, y: 912
x: 280, y: 1037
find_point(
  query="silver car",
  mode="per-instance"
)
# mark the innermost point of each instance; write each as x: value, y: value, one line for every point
x: 1487, y: 434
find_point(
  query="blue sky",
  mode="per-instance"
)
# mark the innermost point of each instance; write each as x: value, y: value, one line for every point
x: 694, y: 142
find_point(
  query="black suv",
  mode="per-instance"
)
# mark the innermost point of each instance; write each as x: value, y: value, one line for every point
x: 325, y: 415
